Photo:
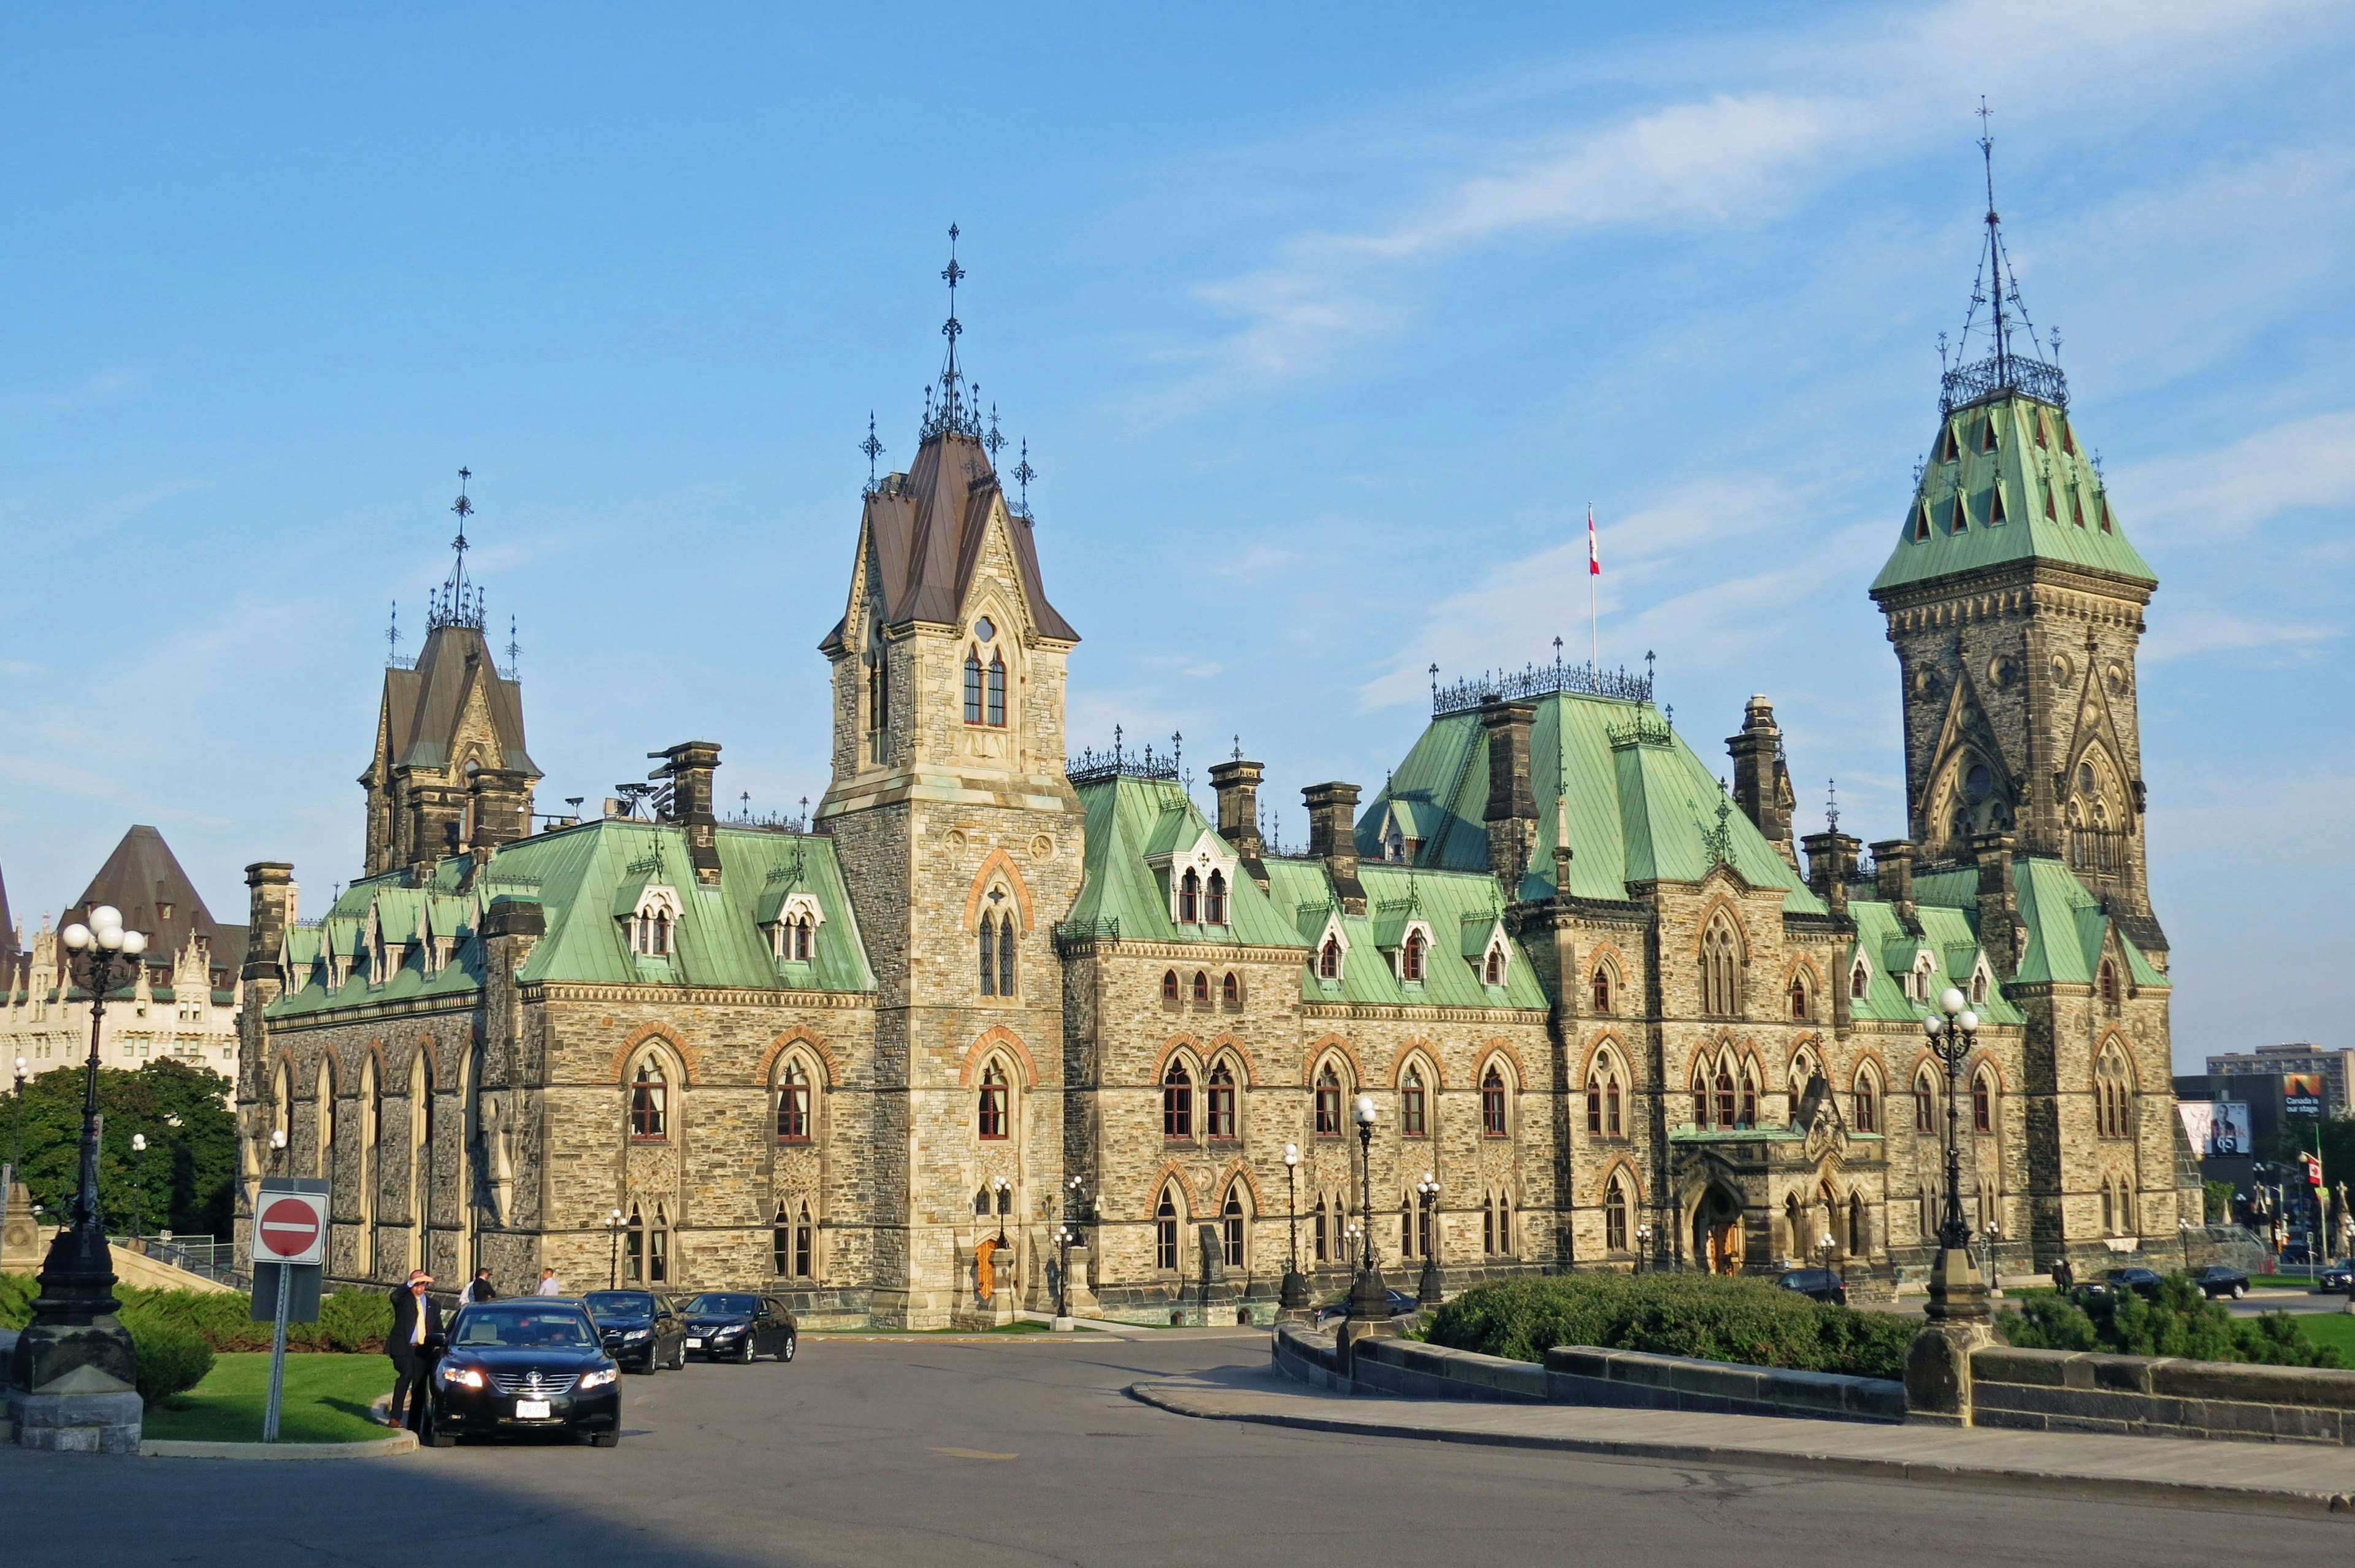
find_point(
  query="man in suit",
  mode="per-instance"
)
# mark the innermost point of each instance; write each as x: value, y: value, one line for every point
x: 480, y: 1290
x: 416, y: 1336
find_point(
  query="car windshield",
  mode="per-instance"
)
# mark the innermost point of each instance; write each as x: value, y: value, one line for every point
x: 524, y: 1329
x: 716, y: 1304
x: 620, y: 1303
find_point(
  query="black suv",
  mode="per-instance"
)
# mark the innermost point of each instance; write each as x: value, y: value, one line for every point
x: 640, y: 1329
x: 2143, y: 1282
x: 1814, y: 1283
x: 737, y: 1326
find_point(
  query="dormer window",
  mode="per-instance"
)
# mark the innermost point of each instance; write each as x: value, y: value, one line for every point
x: 1214, y: 900
x: 1860, y: 981
x: 1328, y: 959
x: 1919, y: 986
x: 1410, y: 958
x: 1995, y: 507
x: 650, y: 921
x: 1393, y: 843
x: 1200, y: 879
x: 1978, y: 987
x: 1951, y: 448
x: 792, y: 935
x: 1961, y: 516
x: 1987, y: 438
x: 1189, y: 899
x: 1922, y: 522
x: 1492, y: 968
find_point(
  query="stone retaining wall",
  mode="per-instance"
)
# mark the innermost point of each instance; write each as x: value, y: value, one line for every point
x: 2066, y: 1390
x: 1582, y: 1374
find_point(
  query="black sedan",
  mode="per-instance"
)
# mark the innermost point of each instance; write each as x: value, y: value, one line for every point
x: 640, y: 1329
x: 2339, y: 1277
x: 737, y: 1326
x: 526, y: 1364
x: 1399, y: 1302
x: 2216, y: 1280
x: 1814, y: 1283
x: 2143, y: 1282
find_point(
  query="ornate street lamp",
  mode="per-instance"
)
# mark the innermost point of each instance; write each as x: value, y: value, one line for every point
x: 1426, y: 1192
x: 73, y: 1317
x: 1955, y: 1292
x: 1370, y: 1298
x: 1293, y: 1297
x: 138, y: 1185
x: 1064, y: 1239
x: 1824, y: 1248
x: 17, y: 1162
x: 614, y: 1249
x: 1643, y: 1243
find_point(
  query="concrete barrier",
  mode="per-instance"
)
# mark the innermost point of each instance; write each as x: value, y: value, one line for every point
x: 2160, y: 1396
x: 1582, y: 1374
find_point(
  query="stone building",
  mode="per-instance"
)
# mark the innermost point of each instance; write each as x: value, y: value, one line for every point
x: 1000, y: 995
x: 183, y: 1001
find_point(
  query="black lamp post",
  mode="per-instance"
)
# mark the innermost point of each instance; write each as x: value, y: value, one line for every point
x: 1956, y: 1291
x: 1294, y: 1296
x: 73, y: 1317
x: 1427, y: 1289
x: 1075, y: 1210
x: 614, y: 1250
x: 138, y: 1185
x: 16, y: 1161
x: 1370, y: 1298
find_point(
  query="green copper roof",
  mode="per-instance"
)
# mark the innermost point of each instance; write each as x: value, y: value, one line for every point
x: 1641, y: 807
x: 1129, y: 819
x: 2034, y: 496
x: 1395, y: 895
x: 586, y: 878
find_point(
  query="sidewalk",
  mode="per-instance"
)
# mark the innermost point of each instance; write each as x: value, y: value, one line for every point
x: 2266, y: 1478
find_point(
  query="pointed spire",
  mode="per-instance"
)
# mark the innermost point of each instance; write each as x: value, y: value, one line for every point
x: 458, y: 602
x: 2006, y: 367
x: 953, y: 412
x: 873, y: 449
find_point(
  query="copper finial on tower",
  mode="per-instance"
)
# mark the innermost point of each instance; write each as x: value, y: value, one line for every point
x: 952, y: 413
x: 1024, y: 474
x: 2004, y: 368
x: 873, y: 449
x: 458, y: 602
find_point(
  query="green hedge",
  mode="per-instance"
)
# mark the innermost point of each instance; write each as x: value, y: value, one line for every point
x: 2181, y: 1322
x: 1705, y: 1317
x: 173, y: 1359
x: 349, y: 1320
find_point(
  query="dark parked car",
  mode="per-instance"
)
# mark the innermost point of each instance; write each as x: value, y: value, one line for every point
x: 1815, y: 1285
x: 2143, y: 1282
x: 2339, y: 1277
x: 737, y: 1326
x: 1400, y: 1303
x: 641, y: 1331
x: 529, y: 1363
x: 2216, y: 1280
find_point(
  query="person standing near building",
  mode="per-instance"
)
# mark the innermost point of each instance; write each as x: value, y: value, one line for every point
x: 416, y: 1331
x: 547, y: 1286
x: 479, y: 1289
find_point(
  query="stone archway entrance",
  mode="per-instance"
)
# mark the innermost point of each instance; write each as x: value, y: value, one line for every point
x: 1717, y: 1231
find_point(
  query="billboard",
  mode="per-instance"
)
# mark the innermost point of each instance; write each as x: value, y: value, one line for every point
x: 2216, y: 1127
x: 2301, y: 1094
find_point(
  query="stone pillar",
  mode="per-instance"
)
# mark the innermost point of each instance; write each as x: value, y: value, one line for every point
x: 1333, y: 837
x: 1759, y: 783
x: 1938, y: 1366
x: 1894, y: 862
x: 2001, y: 931
x: 1236, y: 784
x: 1831, y: 860
x: 1511, y: 813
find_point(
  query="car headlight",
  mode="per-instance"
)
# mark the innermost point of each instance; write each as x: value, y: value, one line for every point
x: 599, y: 1378
x: 722, y: 1332
x: 637, y: 1333
x: 465, y: 1377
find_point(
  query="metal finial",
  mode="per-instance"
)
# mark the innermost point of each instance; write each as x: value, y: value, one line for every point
x: 1024, y: 474
x: 993, y: 441
x: 515, y: 649
x: 1434, y: 680
x: 1831, y: 806
x: 1669, y: 712
x: 1239, y: 749
x: 1176, y: 748
x: 392, y: 634
x: 457, y: 603
x: 874, y: 448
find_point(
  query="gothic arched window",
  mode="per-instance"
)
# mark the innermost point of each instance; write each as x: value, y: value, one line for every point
x: 1492, y: 1104
x: 1411, y: 1106
x: 1615, y: 1216
x: 1720, y: 960
x: 1867, y: 1102
x: 1603, y: 987
x: 1925, y: 1103
x: 1231, y: 990
x: 2109, y: 984
x: 1190, y: 898
x: 1214, y: 900
x: 987, y: 937
x: 1323, y: 1244
x: 997, y: 690
x: 1411, y: 959
x: 1493, y: 973
x: 1005, y: 955
x: 1218, y: 1104
x: 649, y: 1108
x: 1177, y: 1102
x: 973, y: 686
x: 990, y: 1110
x: 1164, y: 1231
x: 1169, y: 986
x: 804, y: 1245
x: 2112, y: 1095
x: 1799, y: 1008
x: 1725, y: 1104
x: 1328, y: 960
x: 1232, y: 1222
x: 1749, y: 1098
x: 794, y: 1104
x: 1860, y: 981
x: 1329, y: 1103
x: 1982, y: 1103
x: 1201, y: 987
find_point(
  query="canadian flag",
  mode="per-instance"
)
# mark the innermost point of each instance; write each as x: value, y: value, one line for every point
x: 1594, y: 554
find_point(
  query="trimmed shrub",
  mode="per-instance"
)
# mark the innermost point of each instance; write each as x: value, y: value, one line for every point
x: 354, y: 1320
x: 17, y: 1293
x: 2181, y: 1322
x: 173, y: 1359
x: 1704, y: 1317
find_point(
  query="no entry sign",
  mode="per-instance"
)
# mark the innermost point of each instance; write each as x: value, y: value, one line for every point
x: 293, y: 1228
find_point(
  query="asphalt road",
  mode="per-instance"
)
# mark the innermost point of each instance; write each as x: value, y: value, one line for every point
x: 1027, y: 1452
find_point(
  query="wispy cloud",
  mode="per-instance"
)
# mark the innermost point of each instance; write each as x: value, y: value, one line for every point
x: 2308, y: 462
x: 2213, y: 631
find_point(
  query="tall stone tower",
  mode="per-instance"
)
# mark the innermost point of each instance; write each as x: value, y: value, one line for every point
x: 960, y: 839
x: 2016, y: 604
x: 449, y: 773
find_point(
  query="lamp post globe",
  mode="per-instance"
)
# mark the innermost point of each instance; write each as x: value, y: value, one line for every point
x: 1370, y: 1298
x: 74, y: 1322
x: 1292, y: 1297
x: 1427, y: 1289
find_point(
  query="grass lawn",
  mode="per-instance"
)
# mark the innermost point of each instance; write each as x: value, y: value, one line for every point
x: 327, y: 1400
x: 2329, y: 1328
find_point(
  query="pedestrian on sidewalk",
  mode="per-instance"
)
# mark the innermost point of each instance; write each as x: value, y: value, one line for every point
x: 2064, y: 1278
x: 547, y: 1286
x: 479, y: 1289
x: 412, y: 1345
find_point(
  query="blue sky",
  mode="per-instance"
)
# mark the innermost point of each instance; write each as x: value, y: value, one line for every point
x: 1324, y: 324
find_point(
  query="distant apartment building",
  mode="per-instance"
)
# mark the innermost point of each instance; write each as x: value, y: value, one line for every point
x: 2334, y: 1068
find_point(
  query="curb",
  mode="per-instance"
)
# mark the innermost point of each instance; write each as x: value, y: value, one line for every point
x: 1991, y: 1479
x: 370, y: 1448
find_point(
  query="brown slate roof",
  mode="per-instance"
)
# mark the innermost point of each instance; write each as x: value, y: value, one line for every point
x: 140, y: 879
x: 926, y: 526
x: 422, y: 704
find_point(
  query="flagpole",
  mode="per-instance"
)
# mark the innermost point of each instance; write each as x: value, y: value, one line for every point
x: 1594, y: 620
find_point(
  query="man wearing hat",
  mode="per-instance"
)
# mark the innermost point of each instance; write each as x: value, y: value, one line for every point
x: 413, y: 1344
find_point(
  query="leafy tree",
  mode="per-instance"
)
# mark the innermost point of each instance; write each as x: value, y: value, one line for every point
x: 186, y: 1180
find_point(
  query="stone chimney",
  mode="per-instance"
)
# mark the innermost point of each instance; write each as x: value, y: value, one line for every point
x: 499, y: 805
x: 1512, y: 813
x: 271, y: 905
x: 689, y: 766
x: 1893, y: 859
x: 436, y: 816
x: 1831, y: 861
x: 1236, y: 784
x: 1333, y: 837
x: 1762, y: 785
x: 2001, y: 931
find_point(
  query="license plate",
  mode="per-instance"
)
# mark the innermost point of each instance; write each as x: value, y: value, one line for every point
x: 694, y: 1344
x: 531, y: 1410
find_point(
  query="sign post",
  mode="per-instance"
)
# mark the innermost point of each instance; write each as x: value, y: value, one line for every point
x: 290, y: 1249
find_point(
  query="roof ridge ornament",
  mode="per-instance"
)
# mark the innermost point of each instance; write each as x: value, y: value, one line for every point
x: 955, y: 410
x: 2004, y: 368
x: 458, y: 602
x: 873, y: 449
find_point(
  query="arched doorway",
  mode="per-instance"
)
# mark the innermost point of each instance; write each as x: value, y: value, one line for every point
x: 1717, y: 1231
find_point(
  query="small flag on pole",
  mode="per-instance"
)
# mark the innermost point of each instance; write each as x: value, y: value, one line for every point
x: 1594, y: 554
